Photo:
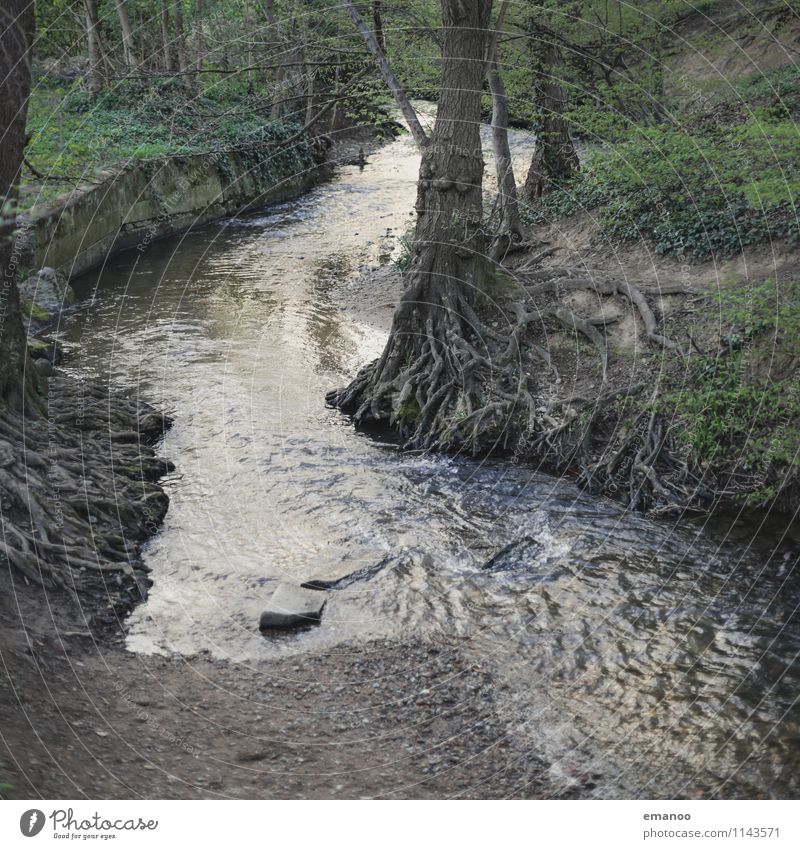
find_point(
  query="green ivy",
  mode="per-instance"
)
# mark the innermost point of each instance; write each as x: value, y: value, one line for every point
x: 740, y: 408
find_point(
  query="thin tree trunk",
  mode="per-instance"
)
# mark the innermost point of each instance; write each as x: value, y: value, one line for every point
x: 199, y: 37
x: 180, y: 40
x: 248, y: 23
x: 554, y: 156
x: 388, y: 75
x: 128, y: 43
x: 377, y: 23
x: 166, y: 37
x: 510, y: 225
x: 93, y: 42
x: 309, y: 96
x: 276, y: 112
x: 16, y: 24
x: 335, y: 112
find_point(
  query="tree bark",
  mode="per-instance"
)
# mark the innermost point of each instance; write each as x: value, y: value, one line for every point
x: 276, y: 111
x: 166, y: 36
x: 128, y: 43
x: 509, y: 229
x: 554, y: 156
x: 199, y: 38
x: 16, y: 23
x: 93, y: 43
x: 388, y: 75
x: 180, y: 40
x: 377, y: 23
x: 425, y: 379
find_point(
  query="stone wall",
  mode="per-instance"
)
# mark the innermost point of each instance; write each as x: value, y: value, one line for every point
x: 148, y: 200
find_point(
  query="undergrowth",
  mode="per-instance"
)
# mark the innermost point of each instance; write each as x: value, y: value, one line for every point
x: 72, y: 135
x: 739, y: 408
x: 707, y: 185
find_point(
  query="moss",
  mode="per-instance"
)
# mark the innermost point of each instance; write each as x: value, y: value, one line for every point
x: 33, y: 312
x: 409, y: 412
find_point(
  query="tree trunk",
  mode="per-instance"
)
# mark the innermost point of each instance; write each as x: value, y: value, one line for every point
x: 377, y: 24
x: 509, y: 230
x: 309, y: 96
x: 388, y: 74
x: 93, y: 42
x: 554, y: 157
x: 128, y: 43
x: 276, y: 112
x: 166, y: 36
x: 16, y: 22
x: 180, y: 41
x: 248, y: 25
x: 199, y: 39
x: 425, y: 379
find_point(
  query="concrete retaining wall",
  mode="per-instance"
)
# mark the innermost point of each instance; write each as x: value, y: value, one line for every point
x: 152, y: 199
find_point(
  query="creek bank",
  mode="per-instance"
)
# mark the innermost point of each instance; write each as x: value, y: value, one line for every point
x: 80, y: 495
x: 658, y: 374
x: 383, y: 720
x: 134, y: 205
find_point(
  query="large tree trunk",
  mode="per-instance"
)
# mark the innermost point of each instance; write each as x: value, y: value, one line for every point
x: 128, y: 44
x: 93, y: 43
x: 554, y: 157
x: 16, y: 24
x: 425, y: 379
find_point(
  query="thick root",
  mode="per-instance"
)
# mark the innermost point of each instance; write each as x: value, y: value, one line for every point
x: 78, y: 495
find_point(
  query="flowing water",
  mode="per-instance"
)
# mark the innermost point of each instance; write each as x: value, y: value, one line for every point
x: 659, y: 659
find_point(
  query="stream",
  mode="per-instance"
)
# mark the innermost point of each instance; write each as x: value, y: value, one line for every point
x: 659, y: 658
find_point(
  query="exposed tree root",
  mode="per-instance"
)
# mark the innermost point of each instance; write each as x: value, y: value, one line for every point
x: 468, y: 384
x: 78, y: 493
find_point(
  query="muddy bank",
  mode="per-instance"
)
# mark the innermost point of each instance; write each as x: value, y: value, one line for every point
x: 379, y: 720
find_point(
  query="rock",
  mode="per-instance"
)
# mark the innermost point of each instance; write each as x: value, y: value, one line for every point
x: 523, y: 553
x: 49, y: 349
x: 292, y: 607
x: 44, y: 367
x: 44, y: 294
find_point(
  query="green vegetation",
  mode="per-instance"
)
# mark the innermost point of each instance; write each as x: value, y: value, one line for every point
x: 73, y: 135
x: 700, y: 188
x: 739, y: 409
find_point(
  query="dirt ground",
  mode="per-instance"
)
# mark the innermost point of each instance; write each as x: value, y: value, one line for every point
x: 86, y: 720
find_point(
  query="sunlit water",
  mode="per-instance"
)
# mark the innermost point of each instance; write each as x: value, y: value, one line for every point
x: 658, y: 660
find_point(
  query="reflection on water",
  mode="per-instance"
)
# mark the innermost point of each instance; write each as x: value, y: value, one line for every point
x: 659, y: 660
